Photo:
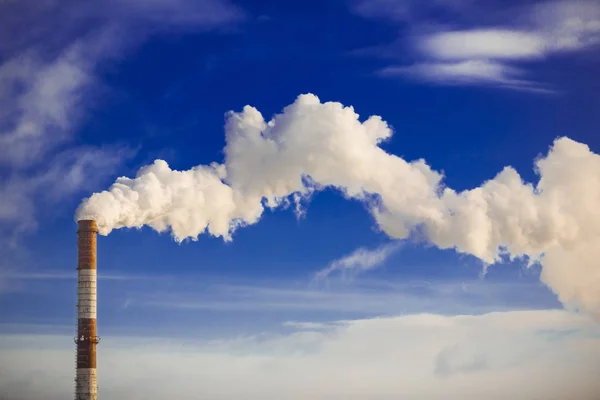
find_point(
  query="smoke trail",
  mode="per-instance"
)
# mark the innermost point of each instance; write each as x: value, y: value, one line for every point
x: 312, y: 145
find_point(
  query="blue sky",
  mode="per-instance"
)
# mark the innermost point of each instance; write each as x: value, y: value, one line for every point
x: 93, y: 92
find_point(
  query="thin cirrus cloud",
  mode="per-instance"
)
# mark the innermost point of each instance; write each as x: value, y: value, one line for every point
x: 491, y: 43
x: 494, y: 53
x: 51, y: 55
x: 407, y: 10
x: 360, y: 260
x: 162, y: 295
x: 364, y: 297
x: 466, y: 72
x: 61, y: 275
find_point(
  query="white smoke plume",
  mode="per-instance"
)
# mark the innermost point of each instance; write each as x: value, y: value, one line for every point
x: 311, y: 145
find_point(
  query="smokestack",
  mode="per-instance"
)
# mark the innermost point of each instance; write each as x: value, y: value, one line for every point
x: 86, y: 387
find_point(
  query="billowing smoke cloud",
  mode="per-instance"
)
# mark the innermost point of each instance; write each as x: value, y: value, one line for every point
x: 312, y: 145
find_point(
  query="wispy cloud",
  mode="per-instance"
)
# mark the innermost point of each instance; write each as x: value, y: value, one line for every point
x: 204, y: 306
x: 485, y: 51
x: 516, y: 355
x: 62, y: 275
x: 362, y: 297
x: 484, y: 44
x: 52, y: 53
x: 70, y: 171
x: 359, y: 260
x: 407, y: 10
x: 470, y: 72
x: 312, y: 326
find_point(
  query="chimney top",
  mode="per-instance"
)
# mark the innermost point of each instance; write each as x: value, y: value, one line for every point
x: 87, y: 225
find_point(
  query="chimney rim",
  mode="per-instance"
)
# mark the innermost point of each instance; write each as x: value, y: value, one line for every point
x: 87, y: 225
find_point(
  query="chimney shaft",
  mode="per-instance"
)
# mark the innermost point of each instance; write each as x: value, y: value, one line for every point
x: 86, y: 387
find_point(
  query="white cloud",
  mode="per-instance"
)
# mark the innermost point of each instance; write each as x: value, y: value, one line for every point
x: 42, y: 99
x: 359, y: 260
x: 568, y: 25
x: 493, y: 52
x: 516, y: 355
x: 42, y: 102
x: 484, y: 44
x: 312, y: 326
x: 471, y: 72
x: 459, y: 72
